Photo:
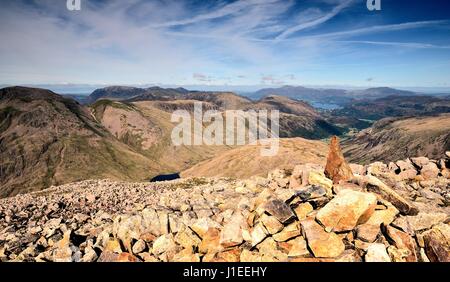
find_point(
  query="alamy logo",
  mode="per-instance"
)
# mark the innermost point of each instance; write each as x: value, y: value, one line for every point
x: 73, y: 5
x: 233, y: 127
x: 374, y: 5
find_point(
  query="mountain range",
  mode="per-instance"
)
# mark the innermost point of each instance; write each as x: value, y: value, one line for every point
x: 339, y: 97
x: 47, y: 139
x: 124, y: 133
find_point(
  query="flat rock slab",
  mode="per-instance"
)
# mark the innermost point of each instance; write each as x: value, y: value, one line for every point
x: 377, y: 186
x: 322, y: 243
x: 348, y: 209
x: 279, y: 209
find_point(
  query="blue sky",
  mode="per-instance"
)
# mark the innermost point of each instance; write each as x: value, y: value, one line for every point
x: 243, y: 42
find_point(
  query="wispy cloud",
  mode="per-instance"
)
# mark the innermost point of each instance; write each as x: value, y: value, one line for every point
x: 381, y: 28
x: 225, y: 10
x: 398, y: 44
x: 313, y: 23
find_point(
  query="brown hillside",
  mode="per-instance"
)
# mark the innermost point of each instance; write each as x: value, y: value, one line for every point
x: 396, y: 138
x: 246, y: 161
x: 46, y: 140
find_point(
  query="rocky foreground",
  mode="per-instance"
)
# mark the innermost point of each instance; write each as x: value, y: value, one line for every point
x: 395, y: 212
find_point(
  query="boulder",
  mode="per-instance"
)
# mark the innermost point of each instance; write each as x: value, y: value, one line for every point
x: 420, y: 161
x: 337, y: 188
x: 402, y: 240
x: 350, y: 256
x: 375, y: 185
x: 113, y: 245
x: 163, y: 244
x: 139, y: 247
x: 337, y: 169
x: 311, y: 192
x: 187, y: 238
x: 271, y: 224
x: 322, y: 243
x: 279, y: 209
x: 429, y: 171
x: 357, y: 169
x: 376, y: 252
x: 210, y: 242
x: 300, y: 175
x: 186, y: 255
x: 232, y: 255
x: 269, y: 251
x: 348, y: 209
x: 405, y: 165
x: 383, y: 216
x: 107, y: 256
x: 437, y: 243
x: 202, y: 225
x: 408, y: 174
x: 424, y: 221
x: 377, y: 168
x: 258, y: 234
x: 250, y: 256
x: 231, y: 234
x: 289, y: 232
x: 398, y: 255
x: 299, y: 247
x: 318, y: 178
x: 367, y: 232
x: 302, y: 210
x: 150, y: 222
x: 62, y: 251
x: 393, y: 167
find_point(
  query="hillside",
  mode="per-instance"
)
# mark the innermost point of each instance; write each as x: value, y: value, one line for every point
x: 297, y: 118
x: 46, y: 140
x: 246, y: 161
x: 393, y: 138
x: 394, y: 106
x: 146, y: 127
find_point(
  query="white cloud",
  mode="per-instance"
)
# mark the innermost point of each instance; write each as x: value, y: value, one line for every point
x: 315, y: 22
x: 398, y: 44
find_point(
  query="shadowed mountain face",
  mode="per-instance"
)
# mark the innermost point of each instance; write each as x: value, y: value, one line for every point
x: 46, y: 139
x: 115, y: 92
x: 394, y: 138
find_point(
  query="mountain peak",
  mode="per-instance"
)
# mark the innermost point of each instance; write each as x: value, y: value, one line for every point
x: 21, y: 92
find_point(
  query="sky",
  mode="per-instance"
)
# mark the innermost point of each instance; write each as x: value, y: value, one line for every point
x: 226, y: 43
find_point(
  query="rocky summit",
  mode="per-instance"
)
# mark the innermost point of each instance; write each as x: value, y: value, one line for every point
x: 396, y: 212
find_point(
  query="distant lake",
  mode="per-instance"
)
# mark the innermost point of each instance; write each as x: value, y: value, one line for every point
x: 325, y: 106
x: 165, y: 177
